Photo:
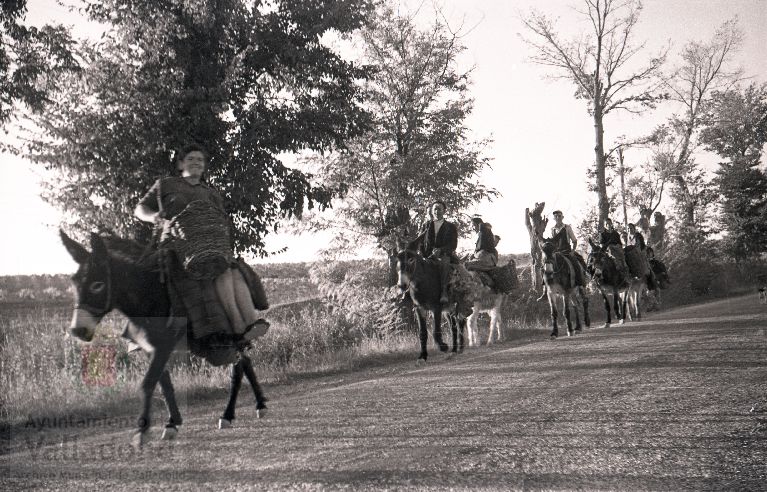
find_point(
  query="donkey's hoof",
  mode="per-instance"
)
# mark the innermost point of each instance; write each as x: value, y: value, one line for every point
x: 606, y: 325
x: 170, y: 432
x: 421, y: 361
x: 553, y: 336
x: 621, y: 321
x: 443, y: 347
x: 260, y: 413
x: 226, y: 423
x: 139, y: 439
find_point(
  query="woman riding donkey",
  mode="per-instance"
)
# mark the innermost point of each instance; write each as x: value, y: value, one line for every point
x: 485, y: 255
x: 214, y: 295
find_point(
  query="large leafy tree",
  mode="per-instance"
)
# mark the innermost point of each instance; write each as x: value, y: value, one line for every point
x: 705, y: 67
x: 249, y: 80
x: 31, y: 60
x: 602, y: 64
x: 418, y: 148
x: 735, y: 127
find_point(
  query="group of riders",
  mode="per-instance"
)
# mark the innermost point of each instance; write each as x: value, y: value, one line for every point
x: 438, y: 241
x: 225, y: 299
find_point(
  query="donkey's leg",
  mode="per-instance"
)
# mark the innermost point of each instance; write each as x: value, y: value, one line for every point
x: 174, y: 416
x: 472, y: 329
x: 553, y: 309
x: 577, y: 309
x: 438, y: 331
x: 493, y: 326
x: 607, y: 310
x: 461, y: 329
x: 617, y: 306
x: 566, y: 309
x: 261, y: 400
x: 453, y: 321
x: 156, y: 367
x: 585, y: 303
x: 235, y: 381
x: 423, y: 334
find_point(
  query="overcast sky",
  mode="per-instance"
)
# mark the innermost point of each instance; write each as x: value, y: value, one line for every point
x: 542, y: 137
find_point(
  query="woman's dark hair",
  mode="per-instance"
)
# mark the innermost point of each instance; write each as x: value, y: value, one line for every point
x: 476, y: 220
x: 191, y: 147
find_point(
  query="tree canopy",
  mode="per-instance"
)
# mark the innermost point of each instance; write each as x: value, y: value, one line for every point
x: 418, y: 148
x: 31, y: 60
x: 248, y: 80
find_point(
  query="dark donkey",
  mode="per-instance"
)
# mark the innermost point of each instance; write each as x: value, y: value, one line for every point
x: 110, y: 277
x: 564, y: 277
x: 609, y: 280
x: 422, y: 279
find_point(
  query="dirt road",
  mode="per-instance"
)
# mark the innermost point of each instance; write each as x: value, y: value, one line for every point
x: 675, y: 402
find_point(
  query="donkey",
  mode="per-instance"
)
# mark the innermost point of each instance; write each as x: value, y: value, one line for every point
x: 625, y: 294
x: 422, y: 279
x: 111, y: 277
x: 491, y: 303
x: 564, y: 278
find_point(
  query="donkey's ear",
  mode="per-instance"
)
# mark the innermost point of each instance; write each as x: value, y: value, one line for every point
x: 97, y: 246
x: 78, y: 253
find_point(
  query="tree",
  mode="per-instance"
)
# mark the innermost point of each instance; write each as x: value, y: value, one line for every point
x: 248, y: 80
x: 598, y: 64
x: 704, y: 68
x: 31, y: 60
x: 734, y: 126
x: 418, y: 149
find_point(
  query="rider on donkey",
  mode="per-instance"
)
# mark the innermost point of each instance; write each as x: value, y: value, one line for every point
x: 223, y: 302
x: 438, y: 241
x: 636, y: 239
x: 610, y: 240
x: 565, y: 242
x: 485, y: 255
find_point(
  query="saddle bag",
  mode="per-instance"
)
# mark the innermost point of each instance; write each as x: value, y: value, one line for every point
x: 505, y: 277
x: 199, y: 235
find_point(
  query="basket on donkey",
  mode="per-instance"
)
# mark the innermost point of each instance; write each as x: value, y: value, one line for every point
x: 199, y: 235
x: 505, y: 277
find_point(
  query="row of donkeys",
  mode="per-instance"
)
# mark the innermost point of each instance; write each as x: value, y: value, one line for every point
x: 113, y: 275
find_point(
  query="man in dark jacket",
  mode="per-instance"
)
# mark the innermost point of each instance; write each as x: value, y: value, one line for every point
x: 439, y: 240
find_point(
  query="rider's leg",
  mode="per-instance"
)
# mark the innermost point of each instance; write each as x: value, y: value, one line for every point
x: 224, y: 285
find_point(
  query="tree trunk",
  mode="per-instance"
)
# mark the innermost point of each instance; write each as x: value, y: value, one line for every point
x: 623, y: 190
x: 599, y: 150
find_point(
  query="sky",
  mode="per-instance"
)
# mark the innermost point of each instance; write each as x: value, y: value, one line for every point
x: 542, y: 137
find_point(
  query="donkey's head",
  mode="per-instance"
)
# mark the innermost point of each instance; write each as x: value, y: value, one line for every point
x: 407, y: 267
x: 93, y: 284
x: 599, y: 262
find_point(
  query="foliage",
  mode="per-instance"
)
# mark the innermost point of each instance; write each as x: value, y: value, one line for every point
x: 735, y: 127
x: 31, y: 60
x: 250, y: 81
x: 704, y: 68
x: 597, y: 63
x: 359, y: 290
x: 417, y: 149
